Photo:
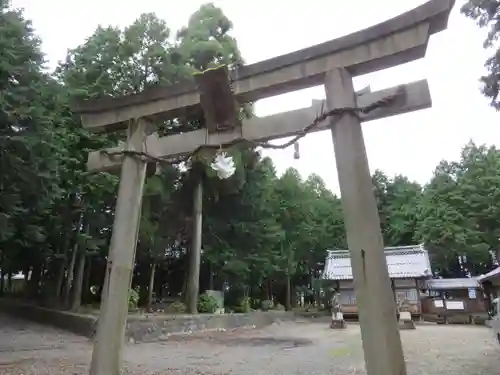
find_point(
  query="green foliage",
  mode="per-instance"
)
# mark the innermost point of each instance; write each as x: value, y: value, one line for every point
x: 244, y: 305
x: 206, y: 42
x: 255, y: 303
x: 458, y: 214
x: 207, y: 304
x: 397, y: 201
x: 33, y: 154
x: 133, y: 298
x: 485, y: 13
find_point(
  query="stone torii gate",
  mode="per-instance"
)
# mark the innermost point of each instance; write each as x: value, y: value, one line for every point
x: 332, y: 64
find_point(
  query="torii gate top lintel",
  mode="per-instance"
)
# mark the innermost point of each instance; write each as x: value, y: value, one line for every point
x: 396, y: 41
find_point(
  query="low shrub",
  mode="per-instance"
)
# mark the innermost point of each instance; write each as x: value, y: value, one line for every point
x: 207, y: 304
x: 133, y: 298
x: 256, y: 304
x: 244, y: 305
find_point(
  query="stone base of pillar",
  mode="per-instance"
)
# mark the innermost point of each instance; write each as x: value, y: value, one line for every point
x: 338, y: 321
x: 405, y: 321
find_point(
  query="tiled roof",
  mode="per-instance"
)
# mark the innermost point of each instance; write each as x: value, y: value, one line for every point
x: 403, y: 261
x: 447, y: 284
x: 489, y: 275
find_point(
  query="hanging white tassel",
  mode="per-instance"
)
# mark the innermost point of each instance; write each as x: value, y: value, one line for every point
x: 223, y: 165
x: 296, y: 151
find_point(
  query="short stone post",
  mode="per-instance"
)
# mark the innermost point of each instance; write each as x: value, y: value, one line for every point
x: 405, y: 321
x: 338, y: 321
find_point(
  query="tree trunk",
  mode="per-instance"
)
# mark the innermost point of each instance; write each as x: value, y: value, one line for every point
x: 2, y: 282
x: 210, y: 277
x: 265, y: 290
x: 78, y: 284
x: 288, y: 305
x: 60, y: 279
x: 186, y: 277
x: 151, y: 286
x: 69, y: 277
x: 2, y: 273
x: 141, y: 280
x: 71, y: 267
x: 193, y: 281
x: 10, y: 288
x: 65, y: 248
x: 34, y: 280
x: 86, y: 282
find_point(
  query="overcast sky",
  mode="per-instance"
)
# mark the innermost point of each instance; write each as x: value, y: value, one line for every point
x: 411, y: 144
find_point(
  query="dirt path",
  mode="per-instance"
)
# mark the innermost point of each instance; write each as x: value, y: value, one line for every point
x: 289, y: 348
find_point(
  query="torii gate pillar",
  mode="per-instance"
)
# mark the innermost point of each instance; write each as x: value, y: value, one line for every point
x: 111, y: 325
x: 376, y: 305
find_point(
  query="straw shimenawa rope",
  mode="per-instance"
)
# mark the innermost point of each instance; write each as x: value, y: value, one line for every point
x: 323, y: 116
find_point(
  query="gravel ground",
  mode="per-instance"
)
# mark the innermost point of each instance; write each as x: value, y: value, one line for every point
x: 287, y: 348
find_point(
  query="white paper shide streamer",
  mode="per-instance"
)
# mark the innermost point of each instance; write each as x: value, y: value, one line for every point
x: 223, y: 165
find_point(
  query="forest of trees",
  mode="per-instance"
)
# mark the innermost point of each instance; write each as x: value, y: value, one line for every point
x: 263, y: 234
